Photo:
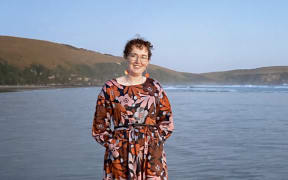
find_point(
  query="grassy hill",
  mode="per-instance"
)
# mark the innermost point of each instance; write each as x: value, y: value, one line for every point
x: 35, y: 62
x: 29, y: 61
x: 264, y: 75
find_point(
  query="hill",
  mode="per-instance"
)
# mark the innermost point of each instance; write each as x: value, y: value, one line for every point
x: 30, y: 61
x: 26, y: 61
x: 272, y: 75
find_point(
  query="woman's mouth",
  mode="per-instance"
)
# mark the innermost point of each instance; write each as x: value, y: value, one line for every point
x: 137, y: 67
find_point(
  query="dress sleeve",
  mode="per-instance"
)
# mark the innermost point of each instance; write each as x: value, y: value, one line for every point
x: 164, y: 116
x: 101, y: 128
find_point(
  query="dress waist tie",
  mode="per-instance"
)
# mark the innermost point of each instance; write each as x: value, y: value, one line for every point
x: 132, y: 161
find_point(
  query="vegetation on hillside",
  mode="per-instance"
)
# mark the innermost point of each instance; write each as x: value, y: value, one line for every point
x: 37, y: 74
x: 34, y: 62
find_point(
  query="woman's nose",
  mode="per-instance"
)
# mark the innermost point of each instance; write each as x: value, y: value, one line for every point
x: 138, y: 59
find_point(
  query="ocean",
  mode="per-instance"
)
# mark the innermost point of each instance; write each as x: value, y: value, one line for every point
x: 221, y: 133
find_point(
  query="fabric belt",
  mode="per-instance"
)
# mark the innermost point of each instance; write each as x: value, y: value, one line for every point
x: 134, y: 125
x: 132, y: 138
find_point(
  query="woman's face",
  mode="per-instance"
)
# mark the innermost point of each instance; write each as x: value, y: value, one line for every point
x: 137, y: 61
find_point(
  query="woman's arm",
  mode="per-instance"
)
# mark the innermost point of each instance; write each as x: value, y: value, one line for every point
x: 101, y: 128
x: 164, y: 117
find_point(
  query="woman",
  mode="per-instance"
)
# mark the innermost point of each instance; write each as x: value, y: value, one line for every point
x: 142, y: 118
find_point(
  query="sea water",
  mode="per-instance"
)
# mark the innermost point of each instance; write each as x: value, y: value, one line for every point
x: 221, y: 132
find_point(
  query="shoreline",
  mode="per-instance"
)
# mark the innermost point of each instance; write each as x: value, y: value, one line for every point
x: 17, y: 88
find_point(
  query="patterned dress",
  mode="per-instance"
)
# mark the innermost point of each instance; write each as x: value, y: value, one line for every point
x: 142, y: 122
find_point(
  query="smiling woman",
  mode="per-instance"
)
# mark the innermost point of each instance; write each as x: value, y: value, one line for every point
x: 142, y: 118
x: 138, y: 54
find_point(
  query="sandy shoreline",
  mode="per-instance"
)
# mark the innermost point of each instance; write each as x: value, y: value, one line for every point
x: 16, y: 88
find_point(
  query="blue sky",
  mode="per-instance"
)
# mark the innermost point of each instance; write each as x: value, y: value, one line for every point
x: 191, y: 36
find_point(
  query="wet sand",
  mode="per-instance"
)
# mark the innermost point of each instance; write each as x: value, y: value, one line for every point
x: 16, y: 88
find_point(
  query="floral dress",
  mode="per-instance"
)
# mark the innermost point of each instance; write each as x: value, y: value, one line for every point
x: 142, y: 122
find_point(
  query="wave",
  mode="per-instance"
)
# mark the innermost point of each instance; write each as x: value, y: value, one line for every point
x: 230, y: 88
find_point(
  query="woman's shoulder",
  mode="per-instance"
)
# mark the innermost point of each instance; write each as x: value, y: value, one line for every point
x: 153, y: 81
x: 112, y: 83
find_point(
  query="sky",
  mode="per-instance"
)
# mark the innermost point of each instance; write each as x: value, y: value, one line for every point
x: 188, y: 35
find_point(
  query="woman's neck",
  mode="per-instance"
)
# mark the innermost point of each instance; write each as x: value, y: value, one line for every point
x: 134, y: 79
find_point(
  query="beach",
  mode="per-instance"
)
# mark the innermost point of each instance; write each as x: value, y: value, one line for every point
x: 15, y: 88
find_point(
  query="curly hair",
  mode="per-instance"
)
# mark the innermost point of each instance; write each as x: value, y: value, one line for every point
x: 139, y: 43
